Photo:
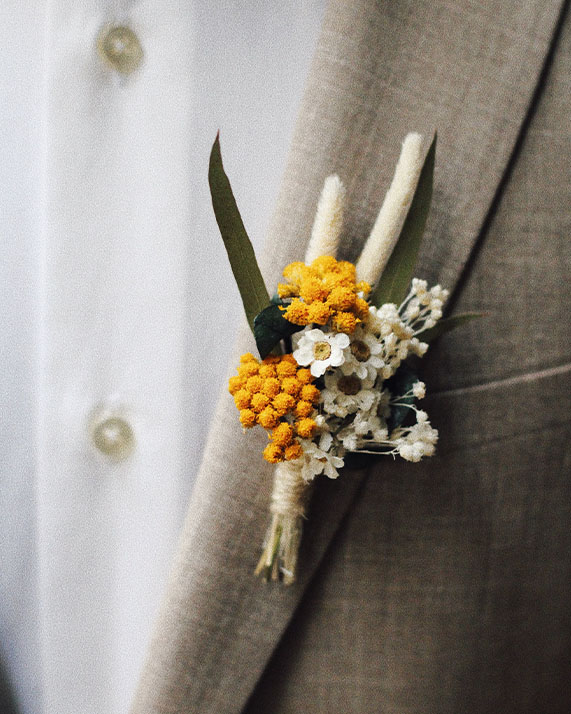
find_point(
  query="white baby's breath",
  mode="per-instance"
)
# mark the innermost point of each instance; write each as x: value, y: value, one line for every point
x: 365, y: 427
x: 412, y: 443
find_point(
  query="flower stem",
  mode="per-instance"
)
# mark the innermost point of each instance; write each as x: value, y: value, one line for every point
x: 278, y: 561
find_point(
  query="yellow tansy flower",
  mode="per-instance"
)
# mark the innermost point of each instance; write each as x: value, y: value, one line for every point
x: 254, y: 384
x: 247, y: 418
x: 361, y: 309
x: 344, y: 322
x: 297, y: 313
x: 304, y: 375
x: 341, y: 298
x: 268, y: 418
x: 273, y: 453
x: 282, y: 434
x: 310, y: 393
x: 247, y: 357
x: 335, y: 280
x: 271, y: 387
x: 267, y: 371
x: 346, y: 269
x: 294, y: 272
x: 293, y: 451
x: 291, y: 385
x: 324, y: 293
x: 259, y: 402
x: 248, y: 369
x: 319, y: 313
x: 312, y: 289
x: 235, y: 384
x: 285, y: 290
x: 286, y: 369
x: 265, y: 392
x: 303, y: 409
x: 242, y: 399
x: 306, y: 427
x: 324, y: 264
x: 283, y: 403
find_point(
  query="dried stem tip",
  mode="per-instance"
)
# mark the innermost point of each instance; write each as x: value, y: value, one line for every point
x: 391, y: 218
x: 328, y: 221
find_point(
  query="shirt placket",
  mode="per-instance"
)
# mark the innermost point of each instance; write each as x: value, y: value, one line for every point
x: 110, y: 476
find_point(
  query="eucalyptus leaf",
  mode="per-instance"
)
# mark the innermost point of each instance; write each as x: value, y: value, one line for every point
x: 446, y: 324
x: 394, y: 283
x: 270, y: 327
x: 238, y: 246
x: 398, y: 385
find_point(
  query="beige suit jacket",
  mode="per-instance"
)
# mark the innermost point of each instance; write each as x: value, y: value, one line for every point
x: 436, y: 587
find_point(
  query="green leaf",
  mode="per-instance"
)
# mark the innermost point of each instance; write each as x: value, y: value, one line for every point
x: 398, y: 385
x: 238, y: 246
x: 270, y: 326
x: 447, y: 324
x: 394, y: 283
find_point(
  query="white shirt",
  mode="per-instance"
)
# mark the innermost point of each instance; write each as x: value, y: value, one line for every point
x: 118, y: 302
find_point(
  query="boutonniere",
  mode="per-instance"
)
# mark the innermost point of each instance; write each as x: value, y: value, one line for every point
x: 335, y: 374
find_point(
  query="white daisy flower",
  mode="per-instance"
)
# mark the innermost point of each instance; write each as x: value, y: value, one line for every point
x: 346, y: 394
x: 362, y: 357
x: 320, y: 349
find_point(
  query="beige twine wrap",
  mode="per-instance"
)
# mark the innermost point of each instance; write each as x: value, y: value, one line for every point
x: 290, y: 496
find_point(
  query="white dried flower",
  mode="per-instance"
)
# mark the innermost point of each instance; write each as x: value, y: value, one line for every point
x: 320, y: 458
x: 346, y: 394
x: 362, y: 356
x: 422, y: 308
x: 367, y: 428
x: 412, y: 443
x: 320, y: 349
x: 393, y: 336
x: 417, y: 347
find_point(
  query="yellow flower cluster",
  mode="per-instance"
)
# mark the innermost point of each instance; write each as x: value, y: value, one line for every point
x: 266, y: 393
x: 324, y: 292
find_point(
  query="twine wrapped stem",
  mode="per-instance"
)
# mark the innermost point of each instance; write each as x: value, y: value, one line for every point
x: 290, y: 496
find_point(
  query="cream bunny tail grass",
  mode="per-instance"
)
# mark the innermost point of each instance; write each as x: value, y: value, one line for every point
x: 391, y: 218
x: 328, y: 220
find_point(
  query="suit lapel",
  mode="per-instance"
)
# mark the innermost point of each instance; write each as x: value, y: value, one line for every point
x: 380, y: 70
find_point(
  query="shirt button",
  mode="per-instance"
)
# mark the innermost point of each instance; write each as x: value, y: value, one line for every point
x: 119, y: 46
x: 112, y: 435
